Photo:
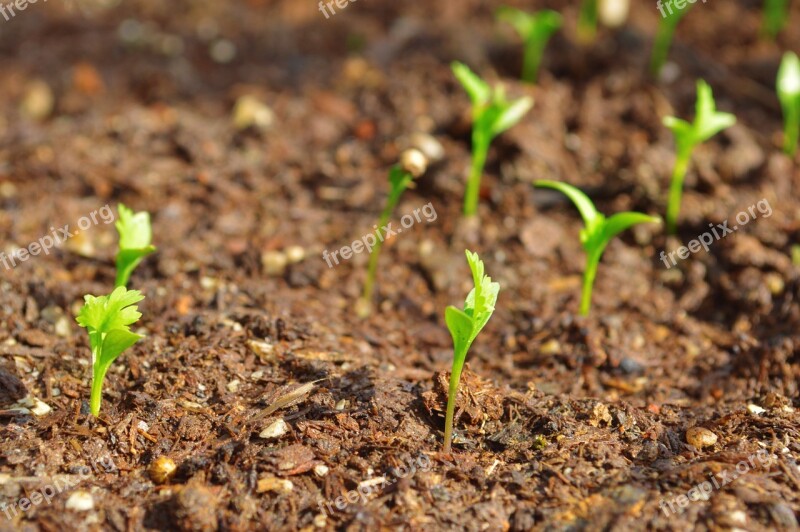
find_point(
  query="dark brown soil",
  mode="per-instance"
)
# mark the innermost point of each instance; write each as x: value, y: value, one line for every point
x: 564, y: 422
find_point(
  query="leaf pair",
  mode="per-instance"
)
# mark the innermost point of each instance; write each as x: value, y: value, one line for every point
x: 535, y: 30
x: 789, y: 96
x: 707, y: 123
x: 492, y: 114
x: 464, y: 326
x: 107, y: 319
x: 135, y: 237
x: 597, y: 232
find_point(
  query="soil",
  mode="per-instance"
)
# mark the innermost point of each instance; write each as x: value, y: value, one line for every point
x: 563, y: 422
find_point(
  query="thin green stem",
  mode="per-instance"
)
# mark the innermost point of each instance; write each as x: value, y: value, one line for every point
x: 666, y: 31
x: 592, y: 260
x: 587, y: 21
x: 676, y: 189
x: 775, y: 17
x: 480, y: 149
x: 98, y: 376
x: 531, y: 60
x: 791, y: 130
x: 455, y: 378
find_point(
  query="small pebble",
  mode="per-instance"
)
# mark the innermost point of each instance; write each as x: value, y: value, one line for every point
x: 80, y: 501
x: 295, y: 254
x: 278, y: 485
x: 275, y: 430
x: 274, y: 263
x: 38, y: 101
x: 249, y: 111
x: 699, y: 437
x: 162, y: 469
x: 233, y: 386
x: 321, y: 470
x: 755, y: 409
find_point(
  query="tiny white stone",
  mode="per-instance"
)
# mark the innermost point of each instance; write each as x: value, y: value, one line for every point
x: 233, y: 386
x: 276, y: 430
x: 755, y: 409
x: 257, y: 375
x: 141, y: 425
x: 321, y: 470
x: 80, y: 501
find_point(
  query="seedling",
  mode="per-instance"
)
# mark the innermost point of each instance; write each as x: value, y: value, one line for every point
x: 587, y: 21
x: 776, y: 13
x: 135, y: 236
x: 464, y: 326
x: 492, y: 114
x: 107, y: 319
x: 707, y: 123
x: 670, y: 16
x: 789, y: 95
x: 399, y: 180
x: 535, y: 30
x: 597, y: 232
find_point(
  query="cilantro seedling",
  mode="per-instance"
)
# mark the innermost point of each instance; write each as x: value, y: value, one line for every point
x: 492, y: 114
x: 707, y: 123
x: 535, y: 30
x: 789, y: 95
x: 587, y: 21
x: 107, y: 319
x: 399, y: 181
x: 776, y: 13
x: 670, y: 16
x: 135, y: 236
x: 597, y: 232
x: 464, y: 326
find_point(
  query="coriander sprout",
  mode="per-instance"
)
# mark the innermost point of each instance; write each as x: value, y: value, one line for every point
x: 587, y: 21
x: 135, y: 236
x: 776, y: 13
x: 789, y: 95
x: 464, y: 326
x: 492, y: 114
x: 707, y: 123
x: 597, y: 233
x: 107, y: 319
x: 535, y: 30
x: 670, y: 16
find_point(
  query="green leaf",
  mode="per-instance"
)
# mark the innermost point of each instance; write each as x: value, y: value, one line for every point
x: 115, y: 311
x: 116, y: 341
x: 591, y: 217
x: 521, y: 21
x: 708, y: 121
x: 478, y: 90
x: 510, y: 115
x: 460, y: 326
x: 789, y: 80
x: 135, y: 235
x: 624, y: 220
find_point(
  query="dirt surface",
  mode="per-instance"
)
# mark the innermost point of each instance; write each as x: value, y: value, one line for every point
x: 280, y: 409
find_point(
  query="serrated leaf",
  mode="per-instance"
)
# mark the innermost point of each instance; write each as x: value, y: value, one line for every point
x: 105, y: 313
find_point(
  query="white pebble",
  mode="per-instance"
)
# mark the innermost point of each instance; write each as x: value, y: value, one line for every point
x: 276, y: 430
x: 80, y: 501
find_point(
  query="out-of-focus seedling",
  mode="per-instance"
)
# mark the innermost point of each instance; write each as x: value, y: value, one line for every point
x: 464, y: 326
x: 587, y: 21
x: 789, y: 95
x: 107, y: 319
x: 707, y: 123
x: 776, y: 13
x: 535, y: 30
x: 135, y: 237
x: 670, y: 16
x: 413, y: 164
x: 597, y: 232
x: 492, y: 114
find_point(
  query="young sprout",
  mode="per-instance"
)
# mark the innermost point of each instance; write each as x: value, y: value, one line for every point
x: 535, y: 30
x: 413, y: 164
x: 670, y: 16
x: 587, y: 21
x: 135, y: 235
x: 776, y: 13
x: 707, y: 123
x: 492, y: 114
x: 107, y: 319
x: 789, y: 95
x: 464, y: 326
x: 597, y: 232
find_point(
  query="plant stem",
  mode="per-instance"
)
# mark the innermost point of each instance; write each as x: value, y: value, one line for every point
x: 676, y: 189
x: 98, y: 377
x: 592, y: 260
x: 587, y: 21
x: 775, y: 17
x: 480, y: 149
x: 791, y: 130
x: 666, y: 30
x: 455, y: 378
x: 532, y: 58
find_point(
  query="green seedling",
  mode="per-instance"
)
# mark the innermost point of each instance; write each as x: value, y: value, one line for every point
x: 789, y: 95
x: 464, y: 326
x: 492, y: 114
x: 399, y: 180
x: 707, y: 123
x: 535, y: 30
x: 776, y: 13
x: 135, y: 236
x: 107, y: 319
x: 597, y: 232
x: 670, y: 16
x: 587, y: 21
